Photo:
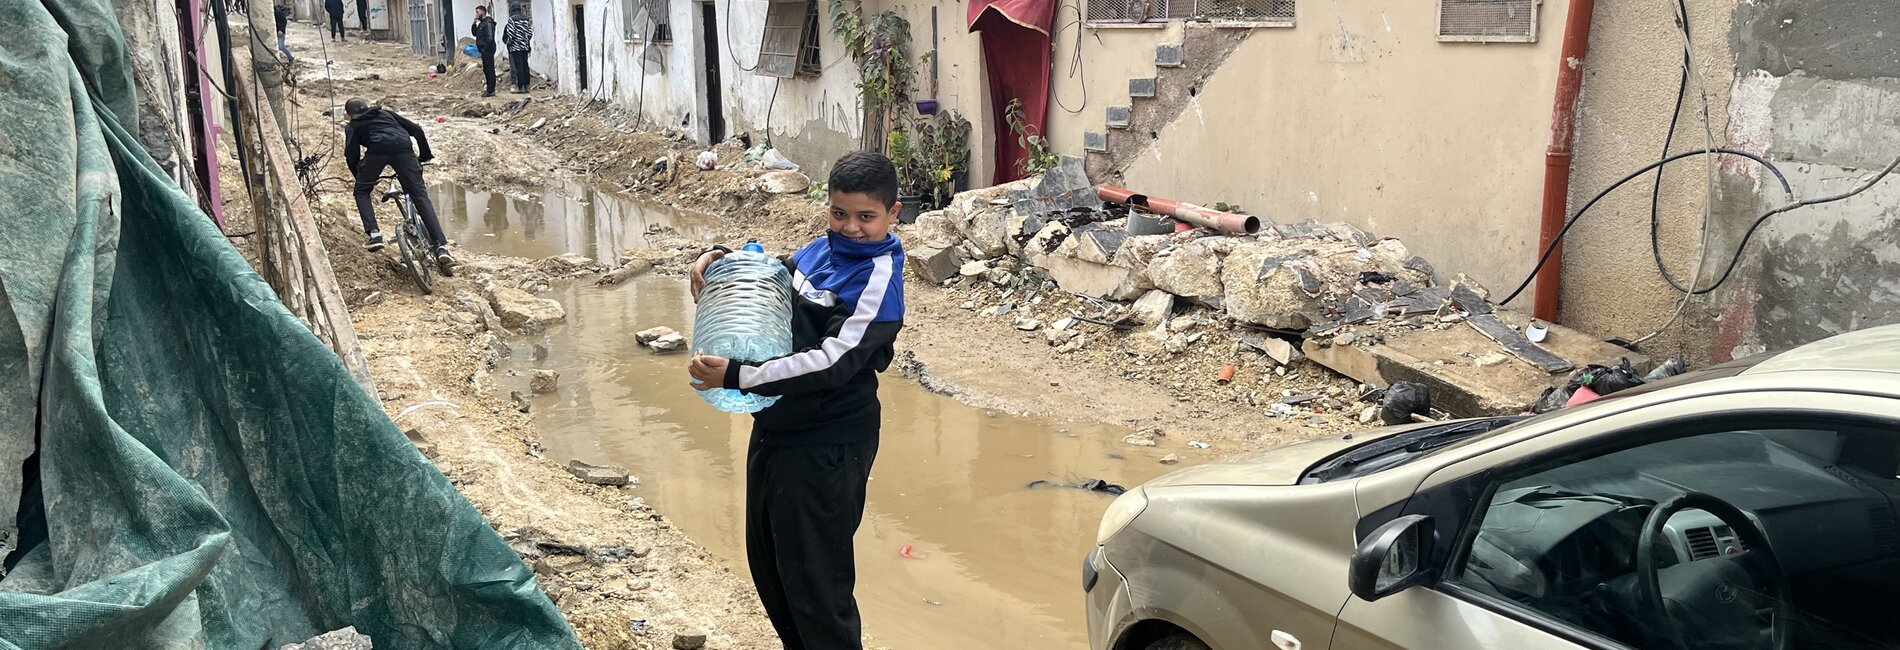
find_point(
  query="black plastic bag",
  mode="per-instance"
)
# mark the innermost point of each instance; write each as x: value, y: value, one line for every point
x: 1402, y: 400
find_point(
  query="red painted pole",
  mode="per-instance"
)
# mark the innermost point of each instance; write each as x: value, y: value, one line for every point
x: 1563, y: 115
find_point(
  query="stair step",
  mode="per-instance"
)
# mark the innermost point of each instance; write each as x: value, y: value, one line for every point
x: 1095, y: 141
x: 1168, y: 56
x: 1142, y: 87
x: 1119, y: 117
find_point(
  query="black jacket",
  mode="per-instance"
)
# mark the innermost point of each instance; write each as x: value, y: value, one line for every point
x: 283, y: 18
x: 485, y: 34
x: 845, y: 319
x: 335, y: 7
x: 382, y: 132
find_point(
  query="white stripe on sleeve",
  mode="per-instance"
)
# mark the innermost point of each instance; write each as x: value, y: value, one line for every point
x: 833, y: 348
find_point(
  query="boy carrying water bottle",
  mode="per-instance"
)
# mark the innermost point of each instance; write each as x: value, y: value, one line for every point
x: 810, y: 454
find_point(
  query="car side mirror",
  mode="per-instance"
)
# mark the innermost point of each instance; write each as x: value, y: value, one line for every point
x: 1392, y: 558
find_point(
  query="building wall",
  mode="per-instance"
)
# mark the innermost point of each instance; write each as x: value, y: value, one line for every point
x: 1359, y: 114
x: 1809, y: 84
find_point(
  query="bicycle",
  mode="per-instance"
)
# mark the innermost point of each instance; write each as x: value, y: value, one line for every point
x: 412, y: 239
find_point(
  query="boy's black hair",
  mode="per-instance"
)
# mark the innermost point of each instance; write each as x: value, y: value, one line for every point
x: 355, y: 105
x: 865, y: 172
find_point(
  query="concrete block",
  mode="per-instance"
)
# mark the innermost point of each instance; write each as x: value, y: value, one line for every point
x: 1092, y: 279
x: 1095, y: 141
x: 933, y: 265
x: 1141, y: 87
x: 1190, y: 269
x: 1120, y: 116
x: 1168, y: 55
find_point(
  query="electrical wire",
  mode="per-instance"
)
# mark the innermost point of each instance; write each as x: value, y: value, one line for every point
x: 1708, y: 204
x: 1572, y: 221
x: 726, y: 33
x: 1076, y: 62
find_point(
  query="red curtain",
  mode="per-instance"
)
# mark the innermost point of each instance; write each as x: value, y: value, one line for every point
x: 1016, y: 55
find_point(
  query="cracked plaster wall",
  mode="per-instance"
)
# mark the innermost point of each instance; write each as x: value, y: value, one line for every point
x: 1811, y: 84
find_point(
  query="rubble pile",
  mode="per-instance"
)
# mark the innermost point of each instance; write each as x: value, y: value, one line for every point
x: 1047, y: 254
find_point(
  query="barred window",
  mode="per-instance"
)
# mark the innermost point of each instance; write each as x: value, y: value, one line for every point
x: 790, y: 45
x: 1488, y: 21
x: 1278, y: 13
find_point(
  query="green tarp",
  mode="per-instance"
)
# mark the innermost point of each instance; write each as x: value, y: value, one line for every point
x: 204, y: 472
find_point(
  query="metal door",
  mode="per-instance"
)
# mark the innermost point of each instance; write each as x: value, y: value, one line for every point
x: 419, y: 39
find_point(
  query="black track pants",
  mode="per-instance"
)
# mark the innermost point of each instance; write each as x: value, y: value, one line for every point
x: 803, y: 505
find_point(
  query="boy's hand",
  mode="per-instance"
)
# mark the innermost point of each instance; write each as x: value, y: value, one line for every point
x: 699, y: 272
x: 708, y: 371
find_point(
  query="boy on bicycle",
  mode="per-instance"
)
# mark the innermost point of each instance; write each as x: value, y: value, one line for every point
x: 386, y: 136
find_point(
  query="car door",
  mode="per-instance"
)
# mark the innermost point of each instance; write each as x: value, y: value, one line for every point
x: 1780, y: 453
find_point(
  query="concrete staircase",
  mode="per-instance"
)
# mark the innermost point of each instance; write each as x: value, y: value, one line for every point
x: 1129, y: 128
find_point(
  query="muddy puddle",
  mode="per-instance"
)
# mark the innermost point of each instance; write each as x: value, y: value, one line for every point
x: 565, y: 218
x: 992, y: 563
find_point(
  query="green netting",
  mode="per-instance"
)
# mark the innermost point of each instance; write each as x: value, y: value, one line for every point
x: 207, y: 473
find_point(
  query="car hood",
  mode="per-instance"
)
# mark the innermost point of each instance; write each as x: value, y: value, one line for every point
x: 1278, y: 466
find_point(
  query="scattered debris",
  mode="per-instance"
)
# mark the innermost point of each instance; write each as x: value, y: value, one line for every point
x: 689, y: 640
x: 1028, y: 324
x: 1092, y: 485
x: 1226, y: 374
x: 1196, y: 444
x: 628, y: 271
x: 1139, y: 439
x: 599, y: 474
x: 1170, y: 459
x: 908, y: 552
x: 544, y: 381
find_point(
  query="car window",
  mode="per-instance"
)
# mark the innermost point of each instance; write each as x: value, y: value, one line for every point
x: 1563, y: 540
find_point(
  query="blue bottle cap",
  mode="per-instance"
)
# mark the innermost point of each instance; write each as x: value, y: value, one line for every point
x: 753, y: 247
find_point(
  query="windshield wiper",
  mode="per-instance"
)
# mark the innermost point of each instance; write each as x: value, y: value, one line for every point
x: 1405, y: 446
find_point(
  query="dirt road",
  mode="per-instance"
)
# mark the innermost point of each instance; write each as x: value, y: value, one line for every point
x: 640, y: 580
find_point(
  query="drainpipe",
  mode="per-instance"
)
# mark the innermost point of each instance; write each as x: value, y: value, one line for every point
x: 1557, y: 156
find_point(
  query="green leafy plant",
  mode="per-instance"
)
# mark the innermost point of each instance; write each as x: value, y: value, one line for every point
x: 818, y: 193
x: 910, y: 153
x: 1038, y: 158
x: 1224, y: 206
x: 949, y: 152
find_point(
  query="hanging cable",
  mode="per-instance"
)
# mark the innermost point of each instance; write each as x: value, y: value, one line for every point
x: 1735, y: 259
x: 1708, y: 201
x: 1076, y: 65
x: 726, y: 33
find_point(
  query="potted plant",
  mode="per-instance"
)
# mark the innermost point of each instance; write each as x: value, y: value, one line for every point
x: 912, y: 177
x: 951, y: 155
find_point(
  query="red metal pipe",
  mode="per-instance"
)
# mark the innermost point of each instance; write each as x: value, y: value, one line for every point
x: 1184, y: 212
x: 1557, y: 157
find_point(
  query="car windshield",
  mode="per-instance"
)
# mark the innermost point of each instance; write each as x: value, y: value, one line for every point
x: 1418, y: 443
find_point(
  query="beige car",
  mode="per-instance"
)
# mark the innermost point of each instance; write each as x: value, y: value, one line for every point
x: 1749, y: 505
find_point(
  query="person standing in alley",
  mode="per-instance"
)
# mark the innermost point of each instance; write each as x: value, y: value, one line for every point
x: 335, y: 9
x: 362, y: 16
x: 810, y: 455
x: 386, y: 137
x: 484, y: 29
x: 519, y: 37
x: 282, y: 11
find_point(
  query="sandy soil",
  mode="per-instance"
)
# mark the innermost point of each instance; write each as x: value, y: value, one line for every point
x: 654, y: 582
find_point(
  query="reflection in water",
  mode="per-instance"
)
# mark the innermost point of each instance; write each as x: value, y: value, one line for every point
x: 568, y: 218
x: 998, y: 564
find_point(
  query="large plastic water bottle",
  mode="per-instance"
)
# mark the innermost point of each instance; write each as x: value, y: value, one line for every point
x: 745, y: 314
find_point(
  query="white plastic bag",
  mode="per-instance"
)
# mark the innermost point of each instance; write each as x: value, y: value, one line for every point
x: 775, y: 160
x: 707, y: 160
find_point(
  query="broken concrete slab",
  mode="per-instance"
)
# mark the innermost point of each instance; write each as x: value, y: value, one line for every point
x: 936, y: 229
x: 1280, y: 350
x: 1190, y: 269
x: 523, y: 312
x: 988, y: 230
x: 670, y: 343
x: 933, y: 265
x: 1153, y: 308
x: 599, y: 474
x: 1092, y: 279
x: 1265, y: 288
x: 1459, y: 384
x: 650, y: 335
x: 1515, y: 343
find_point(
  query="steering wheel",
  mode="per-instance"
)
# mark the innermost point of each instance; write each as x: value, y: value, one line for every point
x: 1711, y: 594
